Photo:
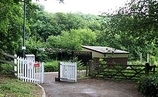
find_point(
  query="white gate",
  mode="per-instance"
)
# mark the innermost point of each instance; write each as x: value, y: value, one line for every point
x: 29, y: 70
x: 68, y: 71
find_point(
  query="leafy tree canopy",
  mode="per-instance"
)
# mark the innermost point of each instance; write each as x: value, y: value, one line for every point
x: 72, y: 40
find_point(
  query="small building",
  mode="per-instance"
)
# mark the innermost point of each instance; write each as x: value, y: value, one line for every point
x: 110, y: 55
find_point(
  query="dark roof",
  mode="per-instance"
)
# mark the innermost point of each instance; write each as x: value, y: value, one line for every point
x: 105, y: 50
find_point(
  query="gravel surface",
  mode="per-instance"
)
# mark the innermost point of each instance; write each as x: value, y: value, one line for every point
x: 88, y: 88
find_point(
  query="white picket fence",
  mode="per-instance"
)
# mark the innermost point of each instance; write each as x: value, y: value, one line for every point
x: 29, y: 70
x: 68, y: 71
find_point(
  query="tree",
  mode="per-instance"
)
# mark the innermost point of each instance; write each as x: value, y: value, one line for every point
x: 136, y: 23
x: 72, y: 40
x: 10, y: 24
x: 10, y: 28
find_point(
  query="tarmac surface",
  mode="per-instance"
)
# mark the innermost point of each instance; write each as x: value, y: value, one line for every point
x: 88, y: 88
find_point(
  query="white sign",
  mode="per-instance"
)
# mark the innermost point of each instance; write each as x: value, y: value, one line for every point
x: 23, y: 48
x: 30, y: 65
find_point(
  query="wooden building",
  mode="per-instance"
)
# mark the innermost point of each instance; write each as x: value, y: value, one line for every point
x: 110, y: 55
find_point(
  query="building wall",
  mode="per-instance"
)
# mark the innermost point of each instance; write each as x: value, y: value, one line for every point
x: 116, y: 55
x: 109, y: 58
x: 122, y: 61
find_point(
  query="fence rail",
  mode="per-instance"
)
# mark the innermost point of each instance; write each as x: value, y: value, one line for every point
x: 25, y: 69
x: 117, y: 71
x: 29, y: 70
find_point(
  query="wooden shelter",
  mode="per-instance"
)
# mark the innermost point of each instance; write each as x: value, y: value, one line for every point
x: 110, y: 55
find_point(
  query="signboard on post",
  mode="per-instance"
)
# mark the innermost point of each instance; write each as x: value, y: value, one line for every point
x: 30, y: 64
x: 36, y: 64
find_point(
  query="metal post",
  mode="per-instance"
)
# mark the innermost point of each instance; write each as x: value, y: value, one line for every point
x: 24, y: 29
x: 148, y: 58
x: 141, y: 59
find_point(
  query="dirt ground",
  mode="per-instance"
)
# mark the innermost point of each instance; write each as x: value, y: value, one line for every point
x: 88, y: 88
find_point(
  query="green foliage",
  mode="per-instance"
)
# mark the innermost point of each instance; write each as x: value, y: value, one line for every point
x: 132, y: 28
x: 72, y: 40
x: 11, y: 23
x: 148, y: 85
x: 51, y: 66
x: 136, y: 25
x: 101, y: 61
x: 36, y: 47
x: 154, y: 58
x: 11, y: 87
x: 80, y: 65
x: 136, y: 62
x: 6, y: 69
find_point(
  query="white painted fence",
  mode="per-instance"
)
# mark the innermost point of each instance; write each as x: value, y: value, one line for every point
x: 68, y: 71
x: 29, y: 71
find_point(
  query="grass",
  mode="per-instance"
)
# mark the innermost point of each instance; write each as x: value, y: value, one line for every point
x: 12, y: 87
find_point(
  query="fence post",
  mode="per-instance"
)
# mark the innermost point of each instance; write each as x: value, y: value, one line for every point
x: 25, y: 69
x: 91, y: 68
x: 141, y: 59
x: 15, y: 64
x: 18, y: 64
x: 154, y: 69
x: 147, y: 68
x: 42, y: 81
x: 148, y: 58
x: 87, y: 69
x: 58, y: 79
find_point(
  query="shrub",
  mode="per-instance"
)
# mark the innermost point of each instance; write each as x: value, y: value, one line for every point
x: 148, y: 85
x: 80, y: 64
x: 6, y: 69
x: 51, y: 66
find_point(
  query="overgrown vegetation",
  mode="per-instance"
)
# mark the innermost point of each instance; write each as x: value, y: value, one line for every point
x: 51, y: 66
x: 148, y: 85
x: 12, y: 87
x: 7, y: 69
x: 132, y: 28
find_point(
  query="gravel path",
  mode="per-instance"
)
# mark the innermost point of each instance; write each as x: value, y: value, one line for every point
x: 88, y: 88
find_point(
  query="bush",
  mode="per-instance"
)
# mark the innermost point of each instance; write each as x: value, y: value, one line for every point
x: 80, y: 64
x: 51, y: 66
x: 148, y: 85
x: 6, y: 69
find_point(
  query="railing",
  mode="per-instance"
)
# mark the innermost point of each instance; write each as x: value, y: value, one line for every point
x: 29, y: 70
x: 117, y: 71
x: 26, y: 70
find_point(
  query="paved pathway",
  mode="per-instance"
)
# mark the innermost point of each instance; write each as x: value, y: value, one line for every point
x: 88, y: 88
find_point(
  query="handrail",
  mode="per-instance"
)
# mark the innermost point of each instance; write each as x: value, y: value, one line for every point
x: 7, y: 62
x: 8, y: 55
